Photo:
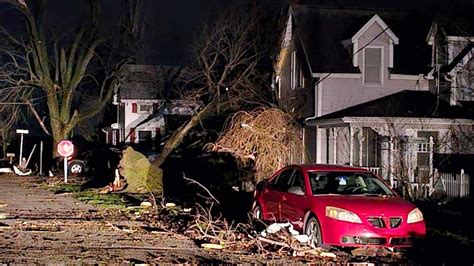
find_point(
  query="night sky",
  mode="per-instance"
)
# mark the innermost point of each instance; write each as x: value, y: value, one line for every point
x: 172, y: 24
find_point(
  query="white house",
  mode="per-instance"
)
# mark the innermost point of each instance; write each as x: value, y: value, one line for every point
x: 365, y: 84
x: 141, y: 107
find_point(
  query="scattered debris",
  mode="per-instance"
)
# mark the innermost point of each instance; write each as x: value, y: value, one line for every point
x: 21, y: 171
x: 373, y: 252
x: 170, y: 205
x: 146, y: 204
x: 4, y: 226
x: 212, y: 246
x: 40, y: 227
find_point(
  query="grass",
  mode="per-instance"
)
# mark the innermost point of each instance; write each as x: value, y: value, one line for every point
x: 109, y: 200
x: 66, y: 188
x: 101, y: 200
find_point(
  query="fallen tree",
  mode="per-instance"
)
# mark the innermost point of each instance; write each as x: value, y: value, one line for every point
x: 266, y: 137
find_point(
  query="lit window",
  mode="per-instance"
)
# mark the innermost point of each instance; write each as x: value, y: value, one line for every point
x: 373, y: 66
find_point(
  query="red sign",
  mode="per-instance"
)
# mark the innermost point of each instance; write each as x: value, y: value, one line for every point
x: 65, y: 148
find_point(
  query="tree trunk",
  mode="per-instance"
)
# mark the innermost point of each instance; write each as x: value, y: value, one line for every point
x: 181, y: 132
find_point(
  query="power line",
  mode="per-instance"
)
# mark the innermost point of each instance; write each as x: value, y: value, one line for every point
x: 360, y: 49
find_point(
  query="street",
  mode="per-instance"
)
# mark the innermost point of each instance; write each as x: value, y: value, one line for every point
x: 38, y: 226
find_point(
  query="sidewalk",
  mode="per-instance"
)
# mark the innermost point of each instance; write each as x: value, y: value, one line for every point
x: 26, y: 199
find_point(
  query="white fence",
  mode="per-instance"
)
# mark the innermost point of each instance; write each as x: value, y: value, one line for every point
x: 456, y: 185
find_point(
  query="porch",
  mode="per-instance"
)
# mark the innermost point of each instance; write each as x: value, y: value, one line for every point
x: 394, y: 154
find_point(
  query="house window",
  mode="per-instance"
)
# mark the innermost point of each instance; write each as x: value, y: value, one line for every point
x: 301, y: 75
x: 423, y: 147
x: 144, y: 135
x: 145, y: 108
x: 373, y: 66
x: 295, y: 71
x: 292, y: 70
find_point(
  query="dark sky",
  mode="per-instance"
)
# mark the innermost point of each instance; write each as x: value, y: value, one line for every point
x: 172, y: 24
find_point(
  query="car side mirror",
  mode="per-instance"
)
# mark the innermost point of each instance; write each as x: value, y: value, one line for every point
x: 261, y: 185
x: 296, y: 190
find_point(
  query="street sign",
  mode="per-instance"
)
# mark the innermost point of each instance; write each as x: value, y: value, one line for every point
x: 22, y: 131
x: 65, y: 148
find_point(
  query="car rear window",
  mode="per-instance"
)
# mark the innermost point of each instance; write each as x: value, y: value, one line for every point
x: 347, y: 183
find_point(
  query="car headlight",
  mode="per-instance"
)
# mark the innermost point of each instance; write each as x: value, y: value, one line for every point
x: 414, y: 216
x: 342, y: 215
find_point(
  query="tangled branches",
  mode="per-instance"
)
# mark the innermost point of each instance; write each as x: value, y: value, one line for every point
x: 266, y: 136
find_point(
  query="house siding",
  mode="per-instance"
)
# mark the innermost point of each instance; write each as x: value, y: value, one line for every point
x: 298, y: 101
x: 136, y: 120
x: 340, y: 93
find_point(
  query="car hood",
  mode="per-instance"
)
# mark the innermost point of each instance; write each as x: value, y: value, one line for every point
x: 367, y: 205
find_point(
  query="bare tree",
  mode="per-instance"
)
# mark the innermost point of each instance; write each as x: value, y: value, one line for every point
x: 228, y: 73
x: 72, y: 73
x: 8, y: 115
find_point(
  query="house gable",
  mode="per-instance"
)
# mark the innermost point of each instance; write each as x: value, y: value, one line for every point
x: 375, y: 24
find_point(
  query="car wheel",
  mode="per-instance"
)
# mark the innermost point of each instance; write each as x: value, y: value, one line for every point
x: 76, y: 168
x: 257, y: 213
x: 313, y: 231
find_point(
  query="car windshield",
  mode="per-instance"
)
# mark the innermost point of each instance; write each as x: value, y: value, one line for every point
x: 347, y: 183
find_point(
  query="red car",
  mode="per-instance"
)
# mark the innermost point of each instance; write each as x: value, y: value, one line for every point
x: 338, y: 205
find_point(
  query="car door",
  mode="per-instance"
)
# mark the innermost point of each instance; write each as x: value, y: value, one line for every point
x: 294, y: 201
x: 274, y: 193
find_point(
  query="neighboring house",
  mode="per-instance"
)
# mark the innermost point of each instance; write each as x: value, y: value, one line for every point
x: 141, y: 107
x: 364, y: 85
x: 452, y: 43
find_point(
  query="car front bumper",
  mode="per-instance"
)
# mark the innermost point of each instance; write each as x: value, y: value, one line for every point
x: 340, y: 233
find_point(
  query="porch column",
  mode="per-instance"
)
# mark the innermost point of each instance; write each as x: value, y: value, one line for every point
x: 319, y: 143
x: 431, y: 156
x: 303, y: 147
x: 351, y: 146
x: 390, y: 174
x: 409, y: 157
x: 334, y: 135
x: 360, y: 138
x: 385, y: 157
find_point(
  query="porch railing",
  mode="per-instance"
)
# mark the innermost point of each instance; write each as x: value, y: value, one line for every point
x: 375, y: 170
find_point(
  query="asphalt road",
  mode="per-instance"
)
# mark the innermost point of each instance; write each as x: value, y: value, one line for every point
x: 40, y: 227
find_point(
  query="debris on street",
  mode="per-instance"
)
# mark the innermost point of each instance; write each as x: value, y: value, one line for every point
x: 141, y: 176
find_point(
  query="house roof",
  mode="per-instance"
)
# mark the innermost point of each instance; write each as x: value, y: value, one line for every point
x: 456, y: 25
x: 141, y: 82
x: 325, y: 34
x: 407, y: 103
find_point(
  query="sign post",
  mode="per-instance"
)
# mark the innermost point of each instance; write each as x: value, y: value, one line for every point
x: 65, y: 149
x: 21, y: 132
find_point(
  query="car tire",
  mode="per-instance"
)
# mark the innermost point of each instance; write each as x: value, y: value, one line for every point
x: 257, y: 213
x: 76, y: 167
x: 313, y: 230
